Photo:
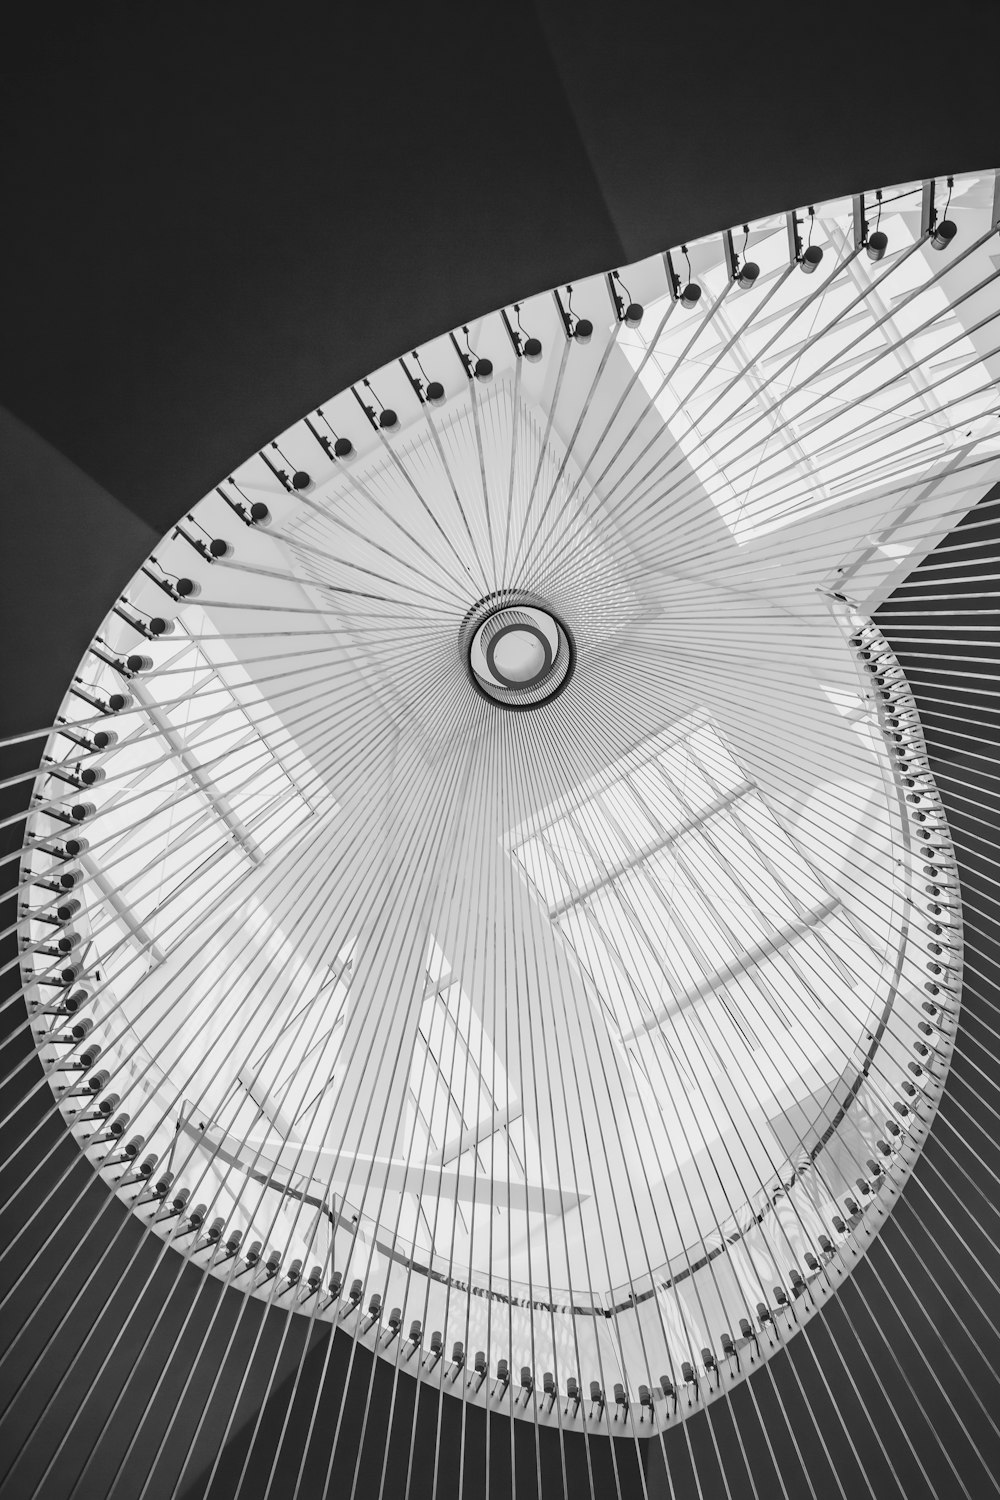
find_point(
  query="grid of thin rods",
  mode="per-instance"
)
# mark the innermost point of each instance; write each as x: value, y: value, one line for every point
x: 550, y: 547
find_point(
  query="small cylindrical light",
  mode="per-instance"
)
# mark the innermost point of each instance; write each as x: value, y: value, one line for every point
x: 533, y: 350
x: 415, y: 1331
x: 82, y: 810
x: 219, y: 547
x: 103, y: 740
x: 483, y: 370
x: 187, y: 588
x: 59, y: 977
x: 690, y: 296
x: 583, y: 330
x: 301, y: 480
x: 748, y: 273
x: 118, y: 702
x: 146, y: 1166
x: 343, y: 448
x: 435, y: 393
x: 259, y: 513
x: 294, y: 1273
x: 388, y: 420
x: 811, y: 257
x: 633, y: 315
x: 943, y: 234
x: 160, y: 625
x: 877, y: 244
x: 215, y: 1229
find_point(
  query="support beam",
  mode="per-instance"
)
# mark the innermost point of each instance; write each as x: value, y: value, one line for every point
x: 121, y: 908
x: 859, y: 225
x: 499, y: 1119
x: 648, y: 850
x: 327, y: 1166
x: 746, y: 961
x: 258, y: 1092
x: 203, y: 782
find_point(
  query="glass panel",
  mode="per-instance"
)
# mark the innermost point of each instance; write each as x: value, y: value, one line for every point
x: 772, y: 419
x: 697, y: 918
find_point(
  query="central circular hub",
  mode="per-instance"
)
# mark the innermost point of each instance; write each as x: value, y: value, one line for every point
x: 519, y: 653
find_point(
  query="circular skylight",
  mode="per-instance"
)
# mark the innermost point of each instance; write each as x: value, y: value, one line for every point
x: 517, y: 648
x: 581, y: 1049
x: 520, y: 655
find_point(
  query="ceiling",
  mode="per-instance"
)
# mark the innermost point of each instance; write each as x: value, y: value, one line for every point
x: 226, y: 223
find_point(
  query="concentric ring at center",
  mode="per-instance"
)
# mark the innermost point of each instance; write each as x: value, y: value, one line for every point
x: 519, y: 653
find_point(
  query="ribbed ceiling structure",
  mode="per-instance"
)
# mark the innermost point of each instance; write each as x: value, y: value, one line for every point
x: 710, y: 1031
x: 487, y: 889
